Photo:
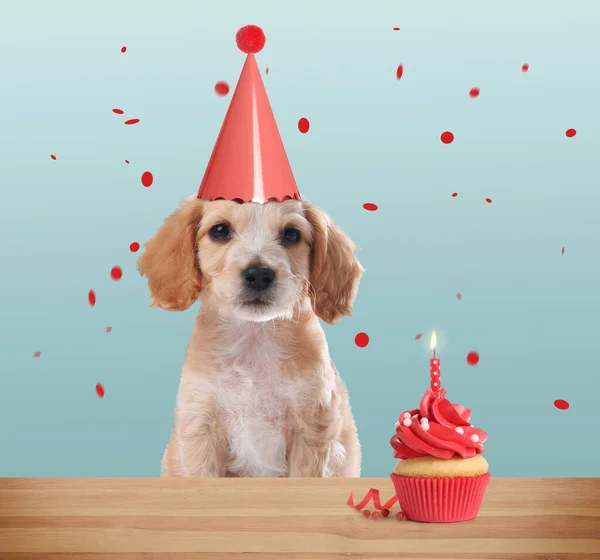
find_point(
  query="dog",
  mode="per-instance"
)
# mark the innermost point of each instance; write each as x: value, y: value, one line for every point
x: 259, y: 395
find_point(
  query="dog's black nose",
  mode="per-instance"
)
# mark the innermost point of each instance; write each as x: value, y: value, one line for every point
x: 258, y: 279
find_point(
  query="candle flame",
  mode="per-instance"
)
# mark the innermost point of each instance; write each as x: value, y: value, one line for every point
x: 433, y: 341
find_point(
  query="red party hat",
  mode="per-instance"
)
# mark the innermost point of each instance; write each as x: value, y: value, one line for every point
x: 248, y: 162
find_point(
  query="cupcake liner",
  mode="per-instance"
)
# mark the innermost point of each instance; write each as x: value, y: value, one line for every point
x: 440, y: 500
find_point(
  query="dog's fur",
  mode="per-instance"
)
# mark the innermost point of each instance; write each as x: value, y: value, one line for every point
x: 259, y: 395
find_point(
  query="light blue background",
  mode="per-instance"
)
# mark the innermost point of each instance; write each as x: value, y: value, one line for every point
x: 531, y: 313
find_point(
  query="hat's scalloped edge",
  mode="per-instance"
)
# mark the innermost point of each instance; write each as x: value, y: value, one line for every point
x: 295, y: 196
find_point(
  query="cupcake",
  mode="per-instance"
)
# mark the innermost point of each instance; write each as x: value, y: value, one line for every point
x: 441, y: 476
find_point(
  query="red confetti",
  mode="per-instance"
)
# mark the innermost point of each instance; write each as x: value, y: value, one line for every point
x: 303, y: 125
x: 571, y: 132
x: 134, y: 247
x: 52, y: 156
x: 127, y: 161
x: 250, y: 39
x: 474, y: 92
x: 372, y: 494
x: 562, y: 251
x: 447, y: 137
x: 376, y: 515
x: 147, y: 178
x: 488, y: 200
x: 116, y: 273
x: 267, y: 70
x: 454, y: 194
x: 123, y: 49
x: 458, y: 296
x: 385, y: 512
x: 108, y: 329
x: 561, y: 404
x: 366, y: 513
x: 400, y: 516
x: 37, y: 354
x: 525, y: 67
x: 472, y: 358
x: 100, y: 390
x: 118, y: 111
x: 132, y: 121
x: 418, y: 336
x: 92, y: 298
x: 399, y: 72
x: 396, y: 29
x: 221, y: 88
x: 361, y: 339
x: 370, y: 206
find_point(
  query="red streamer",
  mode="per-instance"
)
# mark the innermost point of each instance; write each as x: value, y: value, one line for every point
x: 372, y: 494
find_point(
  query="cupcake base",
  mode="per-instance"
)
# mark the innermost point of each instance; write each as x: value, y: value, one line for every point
x: 440, y: 500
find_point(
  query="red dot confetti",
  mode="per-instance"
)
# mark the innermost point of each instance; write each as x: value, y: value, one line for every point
x: 399, y: 72
x: 366, y: 513
x: 92, y: 298
x: 385, y: 512
x: 571, y: 132
x: 454, y: 194
x: 488, y: 200
x: 37, y: 354
x: 418, y: 336
x: 400, y: 516
x: 108, y: 329
x: 123, y: 49
x: 100, y: 390
x: 116, y: 273
x: 132, y: 121
x: 561, y: 404
x: 303, y: 125
x: 267, y: 70
x: 134, y: 247
x: 458, y: 296
x: 370, y: 206
x: 118, y: 111
x: 474, y: 92
x: 361, y: 339
x: 376, y: 515
x: 127, y: 161
x: 472, y: 358
x: 147, y: 178
x: 525, y: 67
x: 221, y: 88
x: 447, y: 137
x: 250, y: 39
x: 562, y: 251
x: 396, y: 29
x: 52, y: 156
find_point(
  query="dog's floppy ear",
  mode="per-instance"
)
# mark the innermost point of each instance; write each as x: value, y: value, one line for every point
x: 170, y: 260
x: 334, y: 271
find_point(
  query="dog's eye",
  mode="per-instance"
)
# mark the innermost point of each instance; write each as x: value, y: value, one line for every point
x: 220, y: 231
x: 291, y: 235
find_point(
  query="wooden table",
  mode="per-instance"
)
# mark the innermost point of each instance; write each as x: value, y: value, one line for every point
x: 285, y: 519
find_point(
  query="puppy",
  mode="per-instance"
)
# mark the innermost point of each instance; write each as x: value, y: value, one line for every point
x: 259, y: 395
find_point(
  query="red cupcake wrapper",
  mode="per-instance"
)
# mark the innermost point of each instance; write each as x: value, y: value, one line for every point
x: 440, y: 500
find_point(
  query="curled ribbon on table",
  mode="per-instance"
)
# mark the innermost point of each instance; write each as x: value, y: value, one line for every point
x: 372, y: 494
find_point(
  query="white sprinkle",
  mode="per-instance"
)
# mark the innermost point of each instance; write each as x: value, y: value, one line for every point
x: 407, y: 422
x: 424, y: 420
x: 435, y: 373
x: 406, y: 415
x: 435, y: 384
x: 434, y: 362
x: 459, y: 430
x: 475, y: 438
x: 425, y: 426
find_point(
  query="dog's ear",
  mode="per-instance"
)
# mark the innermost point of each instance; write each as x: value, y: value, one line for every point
x: 334, y: 270
x: 170, y: 260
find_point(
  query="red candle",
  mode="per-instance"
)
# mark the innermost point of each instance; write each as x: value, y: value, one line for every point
x: 434, y: 366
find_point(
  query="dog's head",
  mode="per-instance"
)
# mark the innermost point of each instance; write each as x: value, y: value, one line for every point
x: 256, y: 261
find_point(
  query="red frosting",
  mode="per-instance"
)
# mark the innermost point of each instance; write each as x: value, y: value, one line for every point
x: 441, y: 439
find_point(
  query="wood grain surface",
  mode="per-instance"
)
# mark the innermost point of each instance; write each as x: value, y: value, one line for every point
x: 285, y: 519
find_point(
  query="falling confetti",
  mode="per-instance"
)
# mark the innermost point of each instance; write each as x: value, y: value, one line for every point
x: 561, y: 404
x: 303, y: 125
x: 134, y: 247
x: 525, y: 67
x: 562, y: 251
x: 488, y: 200
x: 474, y: 92
x: 458, y: 296
x: 147, y: 178
x: 472, y: 358
x: 108, y: 329
x: 267, y: 70
x: 100, y: 390
x: 132, y: 121
x: 52, y: 156
x: 361, y: 339
x: 447, y: 137
x: 221, y: 88
x: 37, y: 354
x: 92, y: 298
x: 123, y: 49
x: 418, y: 336
x: 370, y: 206
x: 396, y: 29
x: 127, y: 161
x: 571, y: 132
x: 455, y: 194
x: 399, y: 72
x: 118, y: 111
x: 116, y: 273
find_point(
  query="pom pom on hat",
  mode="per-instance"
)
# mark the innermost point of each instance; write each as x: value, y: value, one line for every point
x: 250, y: 39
